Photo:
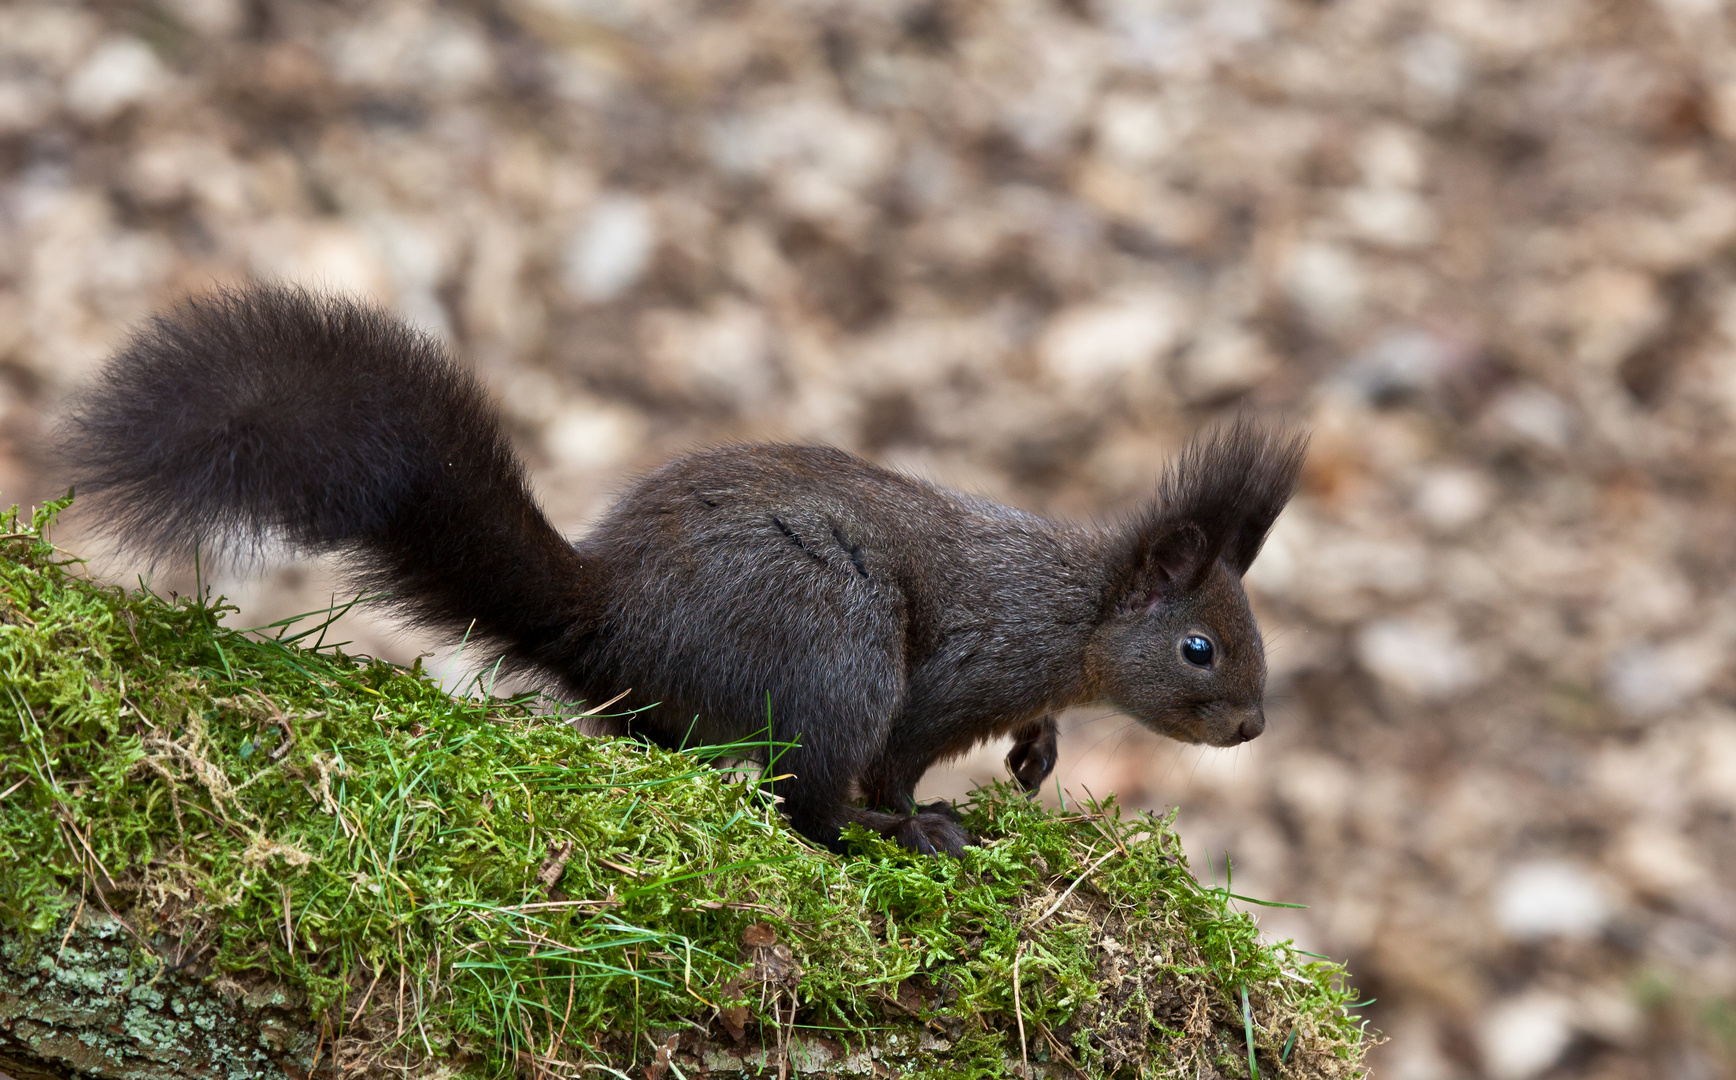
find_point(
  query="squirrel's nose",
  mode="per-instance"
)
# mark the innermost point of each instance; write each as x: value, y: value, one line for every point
x: 1253, y: 725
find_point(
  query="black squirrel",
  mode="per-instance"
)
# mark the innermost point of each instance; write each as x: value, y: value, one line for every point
x: 882, y: 623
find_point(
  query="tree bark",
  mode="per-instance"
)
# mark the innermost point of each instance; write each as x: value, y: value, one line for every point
x: 81, y: 1009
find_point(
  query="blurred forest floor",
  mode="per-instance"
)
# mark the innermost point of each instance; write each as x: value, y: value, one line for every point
x: 1485, y: 249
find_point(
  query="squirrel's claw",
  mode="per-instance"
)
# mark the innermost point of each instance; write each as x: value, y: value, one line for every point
x: 1033, y: 755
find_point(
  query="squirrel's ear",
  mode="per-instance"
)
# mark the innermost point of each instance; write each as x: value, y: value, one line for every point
x: 1218, y: 500
x: 1170, y: 562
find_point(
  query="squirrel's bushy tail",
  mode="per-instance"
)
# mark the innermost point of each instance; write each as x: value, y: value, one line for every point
x: 270, y: 412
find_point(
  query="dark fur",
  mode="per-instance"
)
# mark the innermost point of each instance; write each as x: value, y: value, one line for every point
x: 884, y: 622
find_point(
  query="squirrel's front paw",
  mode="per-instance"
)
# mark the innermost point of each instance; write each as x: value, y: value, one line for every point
x: 932, y: 834
x: 1032, y: 757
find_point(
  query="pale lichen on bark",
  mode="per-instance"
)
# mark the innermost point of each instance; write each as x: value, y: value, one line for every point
x: 96, y: 1007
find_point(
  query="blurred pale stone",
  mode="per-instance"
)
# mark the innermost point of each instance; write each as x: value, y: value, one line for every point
x: 1338, y: 576
x: 216, y: 18
x: 818, y: 196
x: 61, y: 227
x: 1292, y: 650
x: 1390, y: 217
x: 612, y: 249
x: 589, y: 436
x: 1551, y: 898
x: 1724, y: 108
x: 806, y: 133
x: 1067, y: 236
x: 1222, y: 364
x: 121, y: 71
x: 965, y: 236
x: 1535, y: 415
x: 1318, y: 789
x: 1420, y: 656
x: 1522, y: 1037
x: 757, y: 265
x: 410, y: 48
x: 531, y: 395
x: 1659, y: 859
x: 1043, y: 95
x: 921, y: 354
x: 1023, y: 423
x: 1414, y: 1052
x: 1235, y: 22
x: 1613, y: 311
x: 1610, y: 1013
x: 821, y: 410
x: 497, y: 307
x: 1671, y: 242
x: 1131, y: 195
x: 1647, y: 598
x: 1650, y: 779
x: 417, y: 253
x: 585, y: 74
x: 319, y: 254
x: 1326, y: 281
x: 54, y: 35
x: 1151, y: 37
x: 1714, y: 776
x: 177, y: 166
x: 1507, y: 32
x: 723, y: 356
x: 1648, y: 679
x: 1094, y: 348
x: 24, y: 102
x: 1406, y: 361
x: 1390, y: 157
x: 124, y: 270
x: 1471, y: 577
x: 1435, y: 73
x: 1450, y: 498
x: 14, y: 327
x: 620, y: 14
x: 1691, y: 10
x: 932, y: 174
x: 1139, y: 129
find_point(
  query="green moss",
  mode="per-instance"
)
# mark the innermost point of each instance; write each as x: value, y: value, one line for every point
x: 340, y: 829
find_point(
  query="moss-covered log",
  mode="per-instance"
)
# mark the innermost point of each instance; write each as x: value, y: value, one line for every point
x: 227, y: 854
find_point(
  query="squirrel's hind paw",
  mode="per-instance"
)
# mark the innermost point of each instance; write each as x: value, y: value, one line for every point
x: 931, y: 834
x: 941, y: 807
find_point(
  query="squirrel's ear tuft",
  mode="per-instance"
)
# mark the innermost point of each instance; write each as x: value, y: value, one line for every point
x: 1218, y: 501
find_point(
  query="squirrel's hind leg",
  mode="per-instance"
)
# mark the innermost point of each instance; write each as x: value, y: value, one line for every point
x: 816, y: 775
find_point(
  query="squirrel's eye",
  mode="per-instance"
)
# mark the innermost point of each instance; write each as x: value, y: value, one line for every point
x: 1196, y: 650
